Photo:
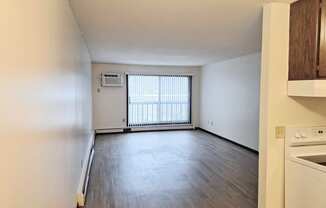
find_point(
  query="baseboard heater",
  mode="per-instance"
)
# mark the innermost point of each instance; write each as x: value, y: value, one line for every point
x: 82, y: 191
x: 145, y: 128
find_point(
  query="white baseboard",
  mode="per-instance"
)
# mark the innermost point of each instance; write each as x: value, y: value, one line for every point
x: 83, y: 182
x: 104, y: 131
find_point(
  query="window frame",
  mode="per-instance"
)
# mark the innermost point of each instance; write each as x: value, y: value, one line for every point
x: 190, y: 82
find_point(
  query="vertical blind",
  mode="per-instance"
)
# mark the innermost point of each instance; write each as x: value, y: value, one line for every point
x: 154, y: 100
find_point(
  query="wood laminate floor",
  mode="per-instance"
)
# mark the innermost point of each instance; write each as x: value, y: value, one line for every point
x: 177, y: 169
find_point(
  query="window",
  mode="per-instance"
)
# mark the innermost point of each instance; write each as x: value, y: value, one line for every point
x: 155, y: 100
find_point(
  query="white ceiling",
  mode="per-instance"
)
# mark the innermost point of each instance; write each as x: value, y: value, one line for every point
x: 169, y: 32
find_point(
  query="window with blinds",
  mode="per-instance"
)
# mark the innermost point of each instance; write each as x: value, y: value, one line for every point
x: 159, y: 100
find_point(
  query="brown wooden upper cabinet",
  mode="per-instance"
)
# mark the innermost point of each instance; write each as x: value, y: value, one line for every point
x: 307, y: 51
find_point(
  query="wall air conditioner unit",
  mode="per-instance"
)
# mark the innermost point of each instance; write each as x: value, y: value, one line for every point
x: 112, y: 80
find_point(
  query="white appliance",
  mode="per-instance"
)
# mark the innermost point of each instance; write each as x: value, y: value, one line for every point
x: 112, y: 79
x: 305, y: 167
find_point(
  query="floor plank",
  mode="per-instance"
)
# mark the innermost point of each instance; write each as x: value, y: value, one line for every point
x: 177, y: 169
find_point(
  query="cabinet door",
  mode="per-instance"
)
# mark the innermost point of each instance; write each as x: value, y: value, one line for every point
x: 303, y: 48
x: 322, y: 43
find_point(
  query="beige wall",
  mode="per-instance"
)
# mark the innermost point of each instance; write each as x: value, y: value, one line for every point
x: 45, y: 104
x: 277, y: 109
x: 230, y: 99
x: 109, y: 105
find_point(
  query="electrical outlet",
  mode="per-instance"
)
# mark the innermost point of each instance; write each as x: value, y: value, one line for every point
x: 280, y: 132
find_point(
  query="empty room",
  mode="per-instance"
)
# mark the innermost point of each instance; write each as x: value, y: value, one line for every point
x: 163, y: 104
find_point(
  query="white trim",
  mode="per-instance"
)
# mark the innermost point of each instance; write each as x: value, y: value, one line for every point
x: 160, y: 74
x: 279, y: 1
x: 109, y: 130
x: 307, y: 88
x: 88, y: 159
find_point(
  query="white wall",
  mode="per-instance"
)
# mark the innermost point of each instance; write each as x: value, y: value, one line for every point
x: 45, y: 104
x: 230, y: 99
x: 277, y: 109
x: 109, y: 105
